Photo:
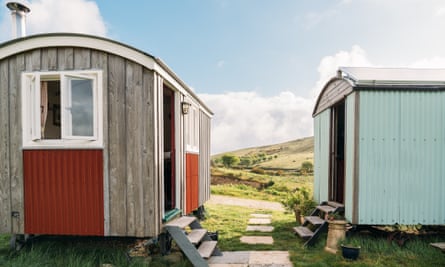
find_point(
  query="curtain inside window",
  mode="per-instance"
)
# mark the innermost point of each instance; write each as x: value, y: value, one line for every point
x: 43, y: 107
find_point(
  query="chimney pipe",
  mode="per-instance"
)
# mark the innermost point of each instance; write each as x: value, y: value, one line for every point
x: 18, y: 14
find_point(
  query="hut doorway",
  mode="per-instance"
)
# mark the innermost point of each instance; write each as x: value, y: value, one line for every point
x: 169, y: 150
x: 337, y: 152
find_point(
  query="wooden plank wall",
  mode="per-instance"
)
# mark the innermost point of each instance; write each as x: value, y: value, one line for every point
x: 131, y: 204
x: 204, y: 158
x: 334, y: 92
x: 5, y: 178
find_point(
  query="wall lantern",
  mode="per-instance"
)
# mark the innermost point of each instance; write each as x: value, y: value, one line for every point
x: 185, y: 107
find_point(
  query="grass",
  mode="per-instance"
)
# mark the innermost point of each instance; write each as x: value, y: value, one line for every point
x: 77, y: 252
x: 231, y: 223
x: 281, y: 185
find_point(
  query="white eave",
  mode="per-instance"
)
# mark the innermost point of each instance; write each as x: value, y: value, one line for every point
x: 102, y: 44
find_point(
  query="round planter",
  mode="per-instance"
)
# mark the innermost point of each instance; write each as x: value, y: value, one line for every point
x: 336, y: 232
x: 350, y: 252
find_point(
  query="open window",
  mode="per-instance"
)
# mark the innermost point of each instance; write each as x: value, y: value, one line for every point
x: 62, y: 108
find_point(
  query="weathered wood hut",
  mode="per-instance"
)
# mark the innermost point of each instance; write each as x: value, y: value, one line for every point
x: 96, y: 138
x: 380, y: 145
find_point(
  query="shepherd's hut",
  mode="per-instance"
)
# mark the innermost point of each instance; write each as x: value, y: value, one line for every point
x: 380, y: 145
x: 97, y: 138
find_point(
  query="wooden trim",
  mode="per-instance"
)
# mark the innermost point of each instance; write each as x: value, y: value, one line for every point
x: 356, y: 180
x: 333, y: 92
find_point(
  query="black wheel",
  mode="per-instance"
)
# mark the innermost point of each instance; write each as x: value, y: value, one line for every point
x: 17, y: 242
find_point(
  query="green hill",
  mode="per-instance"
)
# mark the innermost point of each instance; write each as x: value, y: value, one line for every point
x: 288, y: 155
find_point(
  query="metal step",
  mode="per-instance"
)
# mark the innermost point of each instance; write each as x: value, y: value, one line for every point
x: 181, y: 222
x: 206, y: 248
x: 314, y: 220
x: 326, y: 209
x: 196, y: 235
x: 303, y: 232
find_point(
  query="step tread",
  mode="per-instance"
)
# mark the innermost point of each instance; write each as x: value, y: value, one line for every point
x: 181, y: 222
x: 303, y: 232
x: 326, y: 209
x: 206, y: 248
x: 335, y: 204
x: 196, y: 235
x: 314, y: 220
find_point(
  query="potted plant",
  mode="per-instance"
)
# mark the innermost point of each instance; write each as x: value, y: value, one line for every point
x: 350, y: 249
x: 300, y: 202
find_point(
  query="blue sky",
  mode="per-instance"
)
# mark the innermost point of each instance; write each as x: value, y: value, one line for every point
x: 259, y: 64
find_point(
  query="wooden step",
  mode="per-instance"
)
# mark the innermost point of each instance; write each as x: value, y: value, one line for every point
x: 181, y: 222
x: 206, y: 248
x: 303, y: 232
x: 326, y: 209
x: 314, y: 220
x: 196, y: 235
x: 335, y: 204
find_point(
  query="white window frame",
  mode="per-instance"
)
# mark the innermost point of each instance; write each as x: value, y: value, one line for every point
x: 31, y: 109
x: 192, y: 129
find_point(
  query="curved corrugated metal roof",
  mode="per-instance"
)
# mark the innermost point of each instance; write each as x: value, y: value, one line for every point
x: 382, y: 77
x: 99, y: 43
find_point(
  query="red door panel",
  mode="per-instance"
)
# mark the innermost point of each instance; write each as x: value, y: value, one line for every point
x: 192, y: 182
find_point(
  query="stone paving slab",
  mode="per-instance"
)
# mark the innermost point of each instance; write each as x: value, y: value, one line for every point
x: 231, y: 257
x: 259, y: 228
x: 257, y: 215
x: 266, y: 240
x: 272, y: 258
x: 251, y: 259
x: 259, y: 221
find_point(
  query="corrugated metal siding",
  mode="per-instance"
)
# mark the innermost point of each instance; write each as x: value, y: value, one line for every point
x: 349, y: 155
x: 422, y: 158
x: 379, y: 157
x: 63, y: 192
x: 401, y: 157
x: 192, y: 182
x: 321, y: 155
x: 204, y: 158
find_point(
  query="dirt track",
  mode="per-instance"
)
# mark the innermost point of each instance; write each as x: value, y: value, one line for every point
x: 250, y: 203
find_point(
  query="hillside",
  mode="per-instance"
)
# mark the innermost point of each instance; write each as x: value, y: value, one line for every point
x: 289, y: 155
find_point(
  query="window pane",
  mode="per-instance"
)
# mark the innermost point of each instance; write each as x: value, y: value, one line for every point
x: 82, y: 111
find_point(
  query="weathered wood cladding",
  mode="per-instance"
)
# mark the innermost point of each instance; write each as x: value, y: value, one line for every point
x: 333, y: 92
x: 204, y: 158
x: 131, y: 204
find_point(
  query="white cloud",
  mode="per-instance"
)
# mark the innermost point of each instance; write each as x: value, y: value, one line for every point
x: 79, y: 16
x: 246, y: 119
x: 329, y: 65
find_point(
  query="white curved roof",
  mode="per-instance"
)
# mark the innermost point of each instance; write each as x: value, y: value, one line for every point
x: 394, y: 76
x: 20, y: 45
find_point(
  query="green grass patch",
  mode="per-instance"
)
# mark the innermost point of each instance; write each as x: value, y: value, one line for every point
x: 76, y: 252
x: 231, y: 223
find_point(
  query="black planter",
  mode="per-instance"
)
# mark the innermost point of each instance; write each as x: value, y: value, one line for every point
x: 350, y: 252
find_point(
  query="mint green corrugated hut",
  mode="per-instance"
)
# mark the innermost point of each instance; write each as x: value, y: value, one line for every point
x: 380, y: 145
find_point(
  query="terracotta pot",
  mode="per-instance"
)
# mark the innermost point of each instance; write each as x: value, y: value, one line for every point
x: 336, y: 232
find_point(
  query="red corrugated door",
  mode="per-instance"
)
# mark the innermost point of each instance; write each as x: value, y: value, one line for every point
x: 63, y: 192
x: 192, y: 182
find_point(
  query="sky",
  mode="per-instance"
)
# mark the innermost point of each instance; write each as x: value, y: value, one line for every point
x: 258, y: 64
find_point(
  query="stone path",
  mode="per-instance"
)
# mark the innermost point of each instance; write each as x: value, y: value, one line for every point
x: 251, y: 259
x: 257, y: 223
x: 260, y: 223
x: 250, y: 203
